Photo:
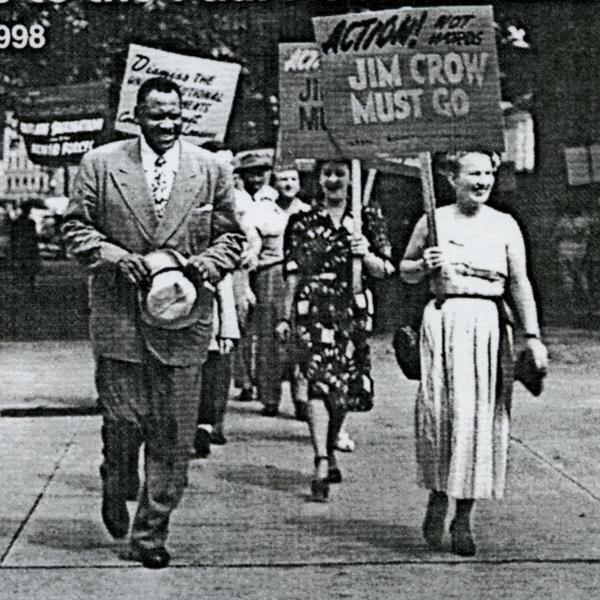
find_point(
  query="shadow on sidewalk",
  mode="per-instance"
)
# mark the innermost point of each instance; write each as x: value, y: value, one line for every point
x: 267, y: 476
x: 350, y: 532
x: 68, y: 534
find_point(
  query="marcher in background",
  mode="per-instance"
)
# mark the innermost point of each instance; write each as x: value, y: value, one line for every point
x: 330, y: 323
x: 131, y: 199
x: 572, y: 236
x: 270, y: 219
x: 26, y: 260
x: 463, y: 402
x: 216, y: 372
x: 253, y: 168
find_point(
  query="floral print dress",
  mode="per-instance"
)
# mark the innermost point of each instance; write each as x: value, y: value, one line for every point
x: 331, y: 323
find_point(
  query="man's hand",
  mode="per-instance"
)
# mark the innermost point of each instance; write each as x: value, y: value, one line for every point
x: 198, y: 266
x: 134, y: 267
x: 249, y: 259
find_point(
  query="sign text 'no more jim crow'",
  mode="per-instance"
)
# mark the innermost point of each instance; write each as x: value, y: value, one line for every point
x: 407, y: 80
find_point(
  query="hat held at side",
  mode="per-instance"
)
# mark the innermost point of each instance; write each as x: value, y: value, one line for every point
x: 171, y: 300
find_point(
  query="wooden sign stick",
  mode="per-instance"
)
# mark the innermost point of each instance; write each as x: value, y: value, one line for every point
x: 357, y: 217
x: 369, y: 186
x: 429, y: 207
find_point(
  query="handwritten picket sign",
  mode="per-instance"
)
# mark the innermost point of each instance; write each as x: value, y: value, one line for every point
x: 208, y: 88
x: 303, y: 133
x: 406, y: 80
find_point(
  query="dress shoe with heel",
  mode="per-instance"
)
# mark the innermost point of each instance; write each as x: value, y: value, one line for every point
x: 334, y: 475
x: 319, y: 486
x: 435, y: 519
x: 462, y: 539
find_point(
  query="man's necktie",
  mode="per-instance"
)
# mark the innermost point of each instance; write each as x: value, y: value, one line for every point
x: 160, y: 191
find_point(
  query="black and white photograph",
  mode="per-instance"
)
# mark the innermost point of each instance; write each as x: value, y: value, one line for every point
x: 299, y: 299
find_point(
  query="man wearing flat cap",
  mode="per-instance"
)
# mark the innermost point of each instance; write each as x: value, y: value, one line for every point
x: 130, y: 199
x: 254, y: 167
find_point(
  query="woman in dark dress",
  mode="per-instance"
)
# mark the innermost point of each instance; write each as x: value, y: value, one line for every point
x: 330, y: 322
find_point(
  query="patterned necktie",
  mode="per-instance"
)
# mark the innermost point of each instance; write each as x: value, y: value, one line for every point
x: 160, y: 191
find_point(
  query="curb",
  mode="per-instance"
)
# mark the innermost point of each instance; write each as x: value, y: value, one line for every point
x: 50, y: 411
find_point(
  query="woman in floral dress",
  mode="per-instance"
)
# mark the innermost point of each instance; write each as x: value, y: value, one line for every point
x: 330, y: 322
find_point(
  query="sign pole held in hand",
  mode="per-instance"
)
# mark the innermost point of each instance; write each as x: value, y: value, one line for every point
x: 357, y: 217
x: 369, y: 186
x: 429, y: 207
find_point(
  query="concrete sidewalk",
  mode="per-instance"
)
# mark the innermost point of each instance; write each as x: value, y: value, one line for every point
x: 246, y: 530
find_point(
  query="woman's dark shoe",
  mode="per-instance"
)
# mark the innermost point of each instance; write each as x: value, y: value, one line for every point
x: 246, y: 395
x: 435, y: 519
x: 301, y: 411
x: 319, y: 486
x: 202, y: 443
x: 335, y: 475
x: 462, y: 539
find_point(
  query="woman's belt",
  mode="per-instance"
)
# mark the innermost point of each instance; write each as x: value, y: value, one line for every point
x: 494, y: 298
x: 266, y: 266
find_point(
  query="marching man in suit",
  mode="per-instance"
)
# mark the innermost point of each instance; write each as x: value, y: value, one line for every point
x: 132, y: 198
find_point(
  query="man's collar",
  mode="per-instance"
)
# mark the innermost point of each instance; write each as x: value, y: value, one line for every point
x: 171, y: 156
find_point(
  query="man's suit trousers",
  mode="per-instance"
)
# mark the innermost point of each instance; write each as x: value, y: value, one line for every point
x: 160, y: 403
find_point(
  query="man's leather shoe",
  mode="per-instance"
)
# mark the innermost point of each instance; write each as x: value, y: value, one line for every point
x: 115, y: 516
x: 151, y: 558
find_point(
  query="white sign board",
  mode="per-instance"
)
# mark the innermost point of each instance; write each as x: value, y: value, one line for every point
x: 208, y: 88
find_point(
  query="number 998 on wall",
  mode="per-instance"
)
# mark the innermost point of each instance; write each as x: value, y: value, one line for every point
x: 20, y: 36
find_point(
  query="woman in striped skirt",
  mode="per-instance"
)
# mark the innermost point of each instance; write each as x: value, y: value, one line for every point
x: 463, y: 402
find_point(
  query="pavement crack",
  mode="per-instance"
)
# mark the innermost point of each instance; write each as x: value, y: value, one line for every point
x: 556, y: 469
x: 38, y: 499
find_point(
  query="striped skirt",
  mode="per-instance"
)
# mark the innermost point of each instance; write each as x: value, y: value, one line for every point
x: 462, y: 426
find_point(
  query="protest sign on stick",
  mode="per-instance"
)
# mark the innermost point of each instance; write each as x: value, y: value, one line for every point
x: 303, y: 133
x: 208, y: 88
x: 400, y: 81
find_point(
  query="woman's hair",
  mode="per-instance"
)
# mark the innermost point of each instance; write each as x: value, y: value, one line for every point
x: 320, y: 163
x: 448, y: 163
